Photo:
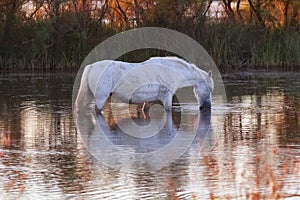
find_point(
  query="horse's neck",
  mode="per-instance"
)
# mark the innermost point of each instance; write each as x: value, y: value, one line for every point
x: 193, y: 77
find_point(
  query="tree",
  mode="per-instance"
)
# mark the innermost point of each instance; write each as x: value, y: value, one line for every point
x: 228, y: 8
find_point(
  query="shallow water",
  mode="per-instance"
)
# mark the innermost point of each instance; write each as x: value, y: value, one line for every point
x: 247, y: 148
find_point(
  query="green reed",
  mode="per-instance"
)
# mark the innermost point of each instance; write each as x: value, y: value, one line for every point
x: 232, y: 45
x: 237, y: 46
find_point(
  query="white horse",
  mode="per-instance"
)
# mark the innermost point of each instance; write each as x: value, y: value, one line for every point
x: 156, y: 79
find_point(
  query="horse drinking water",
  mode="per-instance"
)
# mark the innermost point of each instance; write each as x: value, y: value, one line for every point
x: 156, y: 79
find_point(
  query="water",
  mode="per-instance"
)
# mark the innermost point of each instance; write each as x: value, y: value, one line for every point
x: 251, y: 151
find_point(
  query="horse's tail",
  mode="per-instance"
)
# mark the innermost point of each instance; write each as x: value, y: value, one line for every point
x: 84, y: 95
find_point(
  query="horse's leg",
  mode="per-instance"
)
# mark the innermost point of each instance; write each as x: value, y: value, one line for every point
x: 147, y: 105
x: 197, y: 95
x: 145, y: 110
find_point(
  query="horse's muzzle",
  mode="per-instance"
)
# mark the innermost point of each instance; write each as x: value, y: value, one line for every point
x: 206, y: 105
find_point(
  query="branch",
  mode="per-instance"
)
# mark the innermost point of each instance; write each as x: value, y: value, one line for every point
x: 37, y: 8
x: 122, y: 11
x: 103, y: 10
x: 207, y: 8
x: 256, y: 11
x: 228, y: 9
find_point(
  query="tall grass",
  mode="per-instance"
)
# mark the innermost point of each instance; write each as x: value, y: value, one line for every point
x: 238, y: 46
x: 232, y: 45
x: 43, y: 46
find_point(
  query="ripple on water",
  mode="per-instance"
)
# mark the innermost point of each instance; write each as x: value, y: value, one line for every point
x: 255, y: 139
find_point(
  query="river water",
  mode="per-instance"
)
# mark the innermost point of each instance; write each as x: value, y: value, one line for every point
x: 248, y: 148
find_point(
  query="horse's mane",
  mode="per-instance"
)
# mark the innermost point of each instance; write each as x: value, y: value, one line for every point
x: 182, y: 62
x: 177, y: 60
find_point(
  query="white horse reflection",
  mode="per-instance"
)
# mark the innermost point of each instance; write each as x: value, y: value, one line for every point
x: 156, y: 79
x: 201, y: 132
x: 115, y: 148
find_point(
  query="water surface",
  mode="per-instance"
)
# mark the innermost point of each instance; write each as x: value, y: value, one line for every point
x: 248, y: 148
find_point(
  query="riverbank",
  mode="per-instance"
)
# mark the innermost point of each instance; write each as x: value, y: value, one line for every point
x: 233, y: 46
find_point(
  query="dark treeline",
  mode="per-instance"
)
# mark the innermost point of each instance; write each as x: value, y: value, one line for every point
x: 58, y: 34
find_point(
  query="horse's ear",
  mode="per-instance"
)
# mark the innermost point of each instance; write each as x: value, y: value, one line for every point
x: 209, y: 73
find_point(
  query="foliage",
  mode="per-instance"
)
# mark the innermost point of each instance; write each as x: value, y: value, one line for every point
x: 58, y: 34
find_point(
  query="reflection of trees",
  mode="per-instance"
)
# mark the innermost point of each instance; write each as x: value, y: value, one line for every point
x: 290, y: 126
x: 39, y: 146
x: 262, y: 120
x: 36, y: 122
x: 262, y: 113
x: 10, y: 130
x: 263, y: 107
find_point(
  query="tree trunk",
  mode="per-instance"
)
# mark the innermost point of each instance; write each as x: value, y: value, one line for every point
x: 228, y: 9
x: 256, y: 10
x: 122, y: 12
x: 286, y: 13
x: 238, y: 9
x: 137, y: 13
x: 103, y: 11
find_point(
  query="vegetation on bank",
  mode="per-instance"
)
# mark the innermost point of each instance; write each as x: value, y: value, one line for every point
x: 58, y: 34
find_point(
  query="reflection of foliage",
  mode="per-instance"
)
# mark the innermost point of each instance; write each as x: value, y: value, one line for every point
x: 52, y: 33
x: 265, y: 181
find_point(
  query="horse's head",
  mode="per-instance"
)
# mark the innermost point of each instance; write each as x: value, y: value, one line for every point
x: 203, y: 90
